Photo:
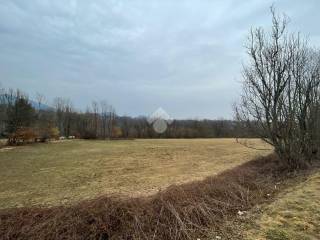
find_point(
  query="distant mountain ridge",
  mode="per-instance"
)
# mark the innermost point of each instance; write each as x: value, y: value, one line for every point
x: 42, y: 106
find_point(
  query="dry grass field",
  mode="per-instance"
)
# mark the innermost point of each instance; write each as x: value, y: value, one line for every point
x: 69, y: 171
x: 295, y: 215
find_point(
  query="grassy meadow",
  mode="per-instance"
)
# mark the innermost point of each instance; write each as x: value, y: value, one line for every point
x: 69, y: 171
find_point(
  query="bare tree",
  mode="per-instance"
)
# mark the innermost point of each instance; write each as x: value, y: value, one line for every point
x: 58, y: 104
x: 104, y: 117
x: 111, y: 121
x: 64, y: 110
x: 95, y: 109
x: 3, y: 111
x: 281, y: 91
x: 40, y: 100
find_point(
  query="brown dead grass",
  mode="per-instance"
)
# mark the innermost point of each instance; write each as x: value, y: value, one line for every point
x: 70, y: 171
x: 180, y: 212
x: 293, y: 215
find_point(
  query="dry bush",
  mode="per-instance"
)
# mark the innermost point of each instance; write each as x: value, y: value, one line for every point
x: 46, y: 133
x: 22, y: 135
x: 180, y: 212
x: 54, y: 133
x: 116, y: 132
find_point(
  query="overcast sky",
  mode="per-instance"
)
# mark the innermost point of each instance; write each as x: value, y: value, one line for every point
x: 183, y: 56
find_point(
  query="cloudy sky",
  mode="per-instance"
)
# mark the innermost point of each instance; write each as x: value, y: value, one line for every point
x: 183, y: 56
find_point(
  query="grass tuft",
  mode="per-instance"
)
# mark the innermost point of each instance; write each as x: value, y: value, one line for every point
x: 276, y: 234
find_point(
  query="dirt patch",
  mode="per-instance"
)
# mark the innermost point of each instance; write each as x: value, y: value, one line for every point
x: 5, y: 149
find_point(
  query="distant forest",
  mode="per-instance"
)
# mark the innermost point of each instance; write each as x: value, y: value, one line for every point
x: 24, y: 120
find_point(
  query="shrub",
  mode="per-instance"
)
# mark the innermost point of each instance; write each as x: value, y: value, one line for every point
x: 22, y: 135
x: 54, y: 133
x: 46, y: 133
x: 116, y: 132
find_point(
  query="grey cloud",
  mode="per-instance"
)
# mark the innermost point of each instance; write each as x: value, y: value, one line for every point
x: 184, y: 56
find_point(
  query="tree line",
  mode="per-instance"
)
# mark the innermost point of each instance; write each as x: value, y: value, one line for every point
x: 24, y: 120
